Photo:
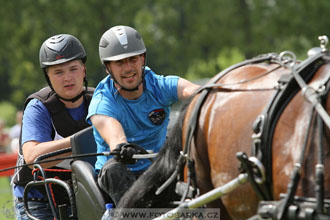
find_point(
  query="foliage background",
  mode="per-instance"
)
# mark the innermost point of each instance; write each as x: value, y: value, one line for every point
x: 190, y: 38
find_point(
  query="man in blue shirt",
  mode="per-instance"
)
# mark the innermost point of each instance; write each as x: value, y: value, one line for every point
x: 50, y: 117
x: 130, y: 109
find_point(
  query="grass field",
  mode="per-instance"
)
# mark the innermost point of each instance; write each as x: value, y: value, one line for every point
x: 6, y: 200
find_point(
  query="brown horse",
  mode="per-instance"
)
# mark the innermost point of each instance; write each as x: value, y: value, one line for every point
x: 228, y: 116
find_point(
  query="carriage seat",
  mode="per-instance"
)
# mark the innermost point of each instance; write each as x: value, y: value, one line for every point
x: 90, y: 202
x: 83, y: 142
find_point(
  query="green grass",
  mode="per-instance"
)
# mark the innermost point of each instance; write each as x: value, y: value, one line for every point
x: 6, y: 200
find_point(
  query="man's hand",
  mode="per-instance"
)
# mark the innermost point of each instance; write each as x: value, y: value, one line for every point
x: 125, y: 152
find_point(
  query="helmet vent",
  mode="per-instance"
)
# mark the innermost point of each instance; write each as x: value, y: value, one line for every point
x: 121, y: 35
x: 138, y: 36
x: 60, y: 49
x: 57, y: 44
x: 104, y: 43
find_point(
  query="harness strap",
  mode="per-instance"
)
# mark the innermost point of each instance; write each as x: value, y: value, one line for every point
x: 295, y: 177
x: 247, y: 167
x: 319, y: 169
x: 265, y: 123
x: 309, y: 93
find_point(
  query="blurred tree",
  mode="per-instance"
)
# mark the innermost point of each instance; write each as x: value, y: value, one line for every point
x: 190, y: 38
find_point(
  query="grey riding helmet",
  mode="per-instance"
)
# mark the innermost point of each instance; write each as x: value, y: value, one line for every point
x: 60, y: 49
x: 120, y: 42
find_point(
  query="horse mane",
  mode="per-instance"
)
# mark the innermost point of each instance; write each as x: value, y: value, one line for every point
x: 142, y: 193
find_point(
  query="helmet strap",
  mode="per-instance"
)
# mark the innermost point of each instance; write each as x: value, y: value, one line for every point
x: 73, y: 99
x: 122, y: 87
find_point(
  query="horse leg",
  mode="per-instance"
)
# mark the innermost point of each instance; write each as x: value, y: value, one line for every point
x: 225, y: 132
x: 202, y: 168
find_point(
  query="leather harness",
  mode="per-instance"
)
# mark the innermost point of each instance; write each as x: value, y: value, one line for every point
x: 265, y: 123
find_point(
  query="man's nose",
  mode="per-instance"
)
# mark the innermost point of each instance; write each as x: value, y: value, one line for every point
x: 127, y: 65
x: 67, y: 76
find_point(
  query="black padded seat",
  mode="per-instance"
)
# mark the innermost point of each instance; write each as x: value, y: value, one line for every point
x: 83, y: 142
x: 90, y: 201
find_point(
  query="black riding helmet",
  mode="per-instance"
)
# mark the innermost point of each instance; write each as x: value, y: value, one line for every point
x: 121, y: 42
x: 60, y: 49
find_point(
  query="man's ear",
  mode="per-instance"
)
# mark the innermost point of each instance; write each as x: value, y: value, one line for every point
x: 107, y: 67
x: 144, y: 58
x: 85, y: 70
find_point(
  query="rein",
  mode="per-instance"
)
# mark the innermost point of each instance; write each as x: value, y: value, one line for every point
x: 224, y: 87
x: 42, y: 159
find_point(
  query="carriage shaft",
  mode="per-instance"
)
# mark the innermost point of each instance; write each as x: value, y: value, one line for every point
x: 207, y: 197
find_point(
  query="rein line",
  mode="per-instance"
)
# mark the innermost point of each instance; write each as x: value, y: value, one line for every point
x: 224, y: 87
x: 41, y: 159
x: 309, y: 93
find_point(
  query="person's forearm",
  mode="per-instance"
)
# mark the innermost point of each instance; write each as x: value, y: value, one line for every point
x: 186, y: 89
x: 110, y: 129
x: 115, y: 137
x: 33, y: 149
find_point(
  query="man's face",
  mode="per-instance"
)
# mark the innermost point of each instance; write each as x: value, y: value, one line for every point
x: 128, y: 71
x: 67, y: 78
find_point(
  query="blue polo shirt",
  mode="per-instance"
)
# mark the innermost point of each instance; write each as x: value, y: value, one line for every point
x: 144, y: 120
